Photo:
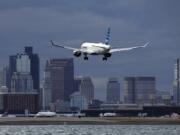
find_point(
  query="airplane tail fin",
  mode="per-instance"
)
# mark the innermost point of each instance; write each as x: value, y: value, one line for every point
x: 108, y: 36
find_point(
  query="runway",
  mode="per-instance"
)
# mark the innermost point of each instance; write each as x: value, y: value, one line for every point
x: 88, y: 121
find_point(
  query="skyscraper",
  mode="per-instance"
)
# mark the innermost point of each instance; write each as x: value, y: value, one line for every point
x: 59, y: 80
x: 34, y: 66
x: 21, y: 82
x: 129, y: 90
x: 139, y: 90
x: 21, y: 79
x: 86, y: 88
x: 23, y: 63
x: 77, y: 83
x: 78, y: 101
x: 47, y: 87
x: 176, y: 84
x: 26, y: 62
x: 113, y: 91
x: 5, y: 76
x: 12, y: 69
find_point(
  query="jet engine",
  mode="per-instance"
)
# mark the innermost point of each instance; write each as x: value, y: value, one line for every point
x: 77, y: 53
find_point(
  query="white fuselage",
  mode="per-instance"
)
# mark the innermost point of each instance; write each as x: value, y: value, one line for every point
x: 95, y: 48
x: 46, y: 114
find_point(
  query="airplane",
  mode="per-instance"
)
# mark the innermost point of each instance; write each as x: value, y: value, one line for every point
x: 89, y: 48
x: 45, y: 114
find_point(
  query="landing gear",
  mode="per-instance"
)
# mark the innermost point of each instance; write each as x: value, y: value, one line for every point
x: 85, y: 58
x: 104, y: 58
x: 106, y: 55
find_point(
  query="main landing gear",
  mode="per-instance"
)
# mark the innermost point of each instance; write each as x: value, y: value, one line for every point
x: 106, y: 55
x: 104, y: 58
x: 85, y: 58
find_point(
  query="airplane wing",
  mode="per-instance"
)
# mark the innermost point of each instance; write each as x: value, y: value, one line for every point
x: 62, y: 46
x: 126, y: 49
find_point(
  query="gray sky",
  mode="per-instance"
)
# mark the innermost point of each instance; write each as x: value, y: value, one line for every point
x: 132, y: 22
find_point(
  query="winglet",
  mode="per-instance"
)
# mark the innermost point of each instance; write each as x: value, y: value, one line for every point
x: 53, y: 44
x: 62, y: 46
x: 146, y: 44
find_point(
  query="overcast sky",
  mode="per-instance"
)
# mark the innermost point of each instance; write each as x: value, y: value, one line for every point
x: 133, y: 22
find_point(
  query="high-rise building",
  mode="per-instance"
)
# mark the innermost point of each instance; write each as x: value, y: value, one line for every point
x: 47, y: 88
x: 12, y: 69
x: 78, y: 101
x: 86, y: 88
x: 59, y: 80
x: 21, y: 79
x: 23, y: 63
x: 113, y: 91
x: 146, y: 90
x: 140, y: 90
x: 3, y: 77
x: 21, y: 82
x: 34, y: 66
x: 77, y: 83
x: 129, y: 90
x: 11, y: 102
x: 26, y: 62
x: 176, y: 84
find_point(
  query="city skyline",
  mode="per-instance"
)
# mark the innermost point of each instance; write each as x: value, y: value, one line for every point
x: 103, y: 94
x: 35, y: 23
x: 60, y: 83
